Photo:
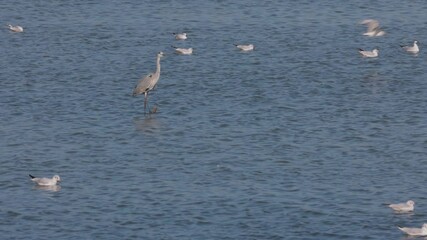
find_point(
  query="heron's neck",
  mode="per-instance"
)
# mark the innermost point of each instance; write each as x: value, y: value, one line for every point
x: 158, y: 66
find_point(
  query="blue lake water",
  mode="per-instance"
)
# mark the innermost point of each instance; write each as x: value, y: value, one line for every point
x: 300, y: 139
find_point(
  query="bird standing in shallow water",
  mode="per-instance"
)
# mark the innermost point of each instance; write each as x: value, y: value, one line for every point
x: 147, y: 84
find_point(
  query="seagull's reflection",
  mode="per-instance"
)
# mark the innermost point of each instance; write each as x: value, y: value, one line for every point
x: 372, y: 76
x: 54, y: 188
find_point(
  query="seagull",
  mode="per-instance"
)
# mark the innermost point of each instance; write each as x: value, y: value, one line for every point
x: 403, y: 207
x: 183, y: 51
x: 15, y: 28
x: 411, y: 49
x: 46, y: 181
x: 245, y: 48
x: 374, y: 29
x: 180, y: 36
x: 373, y: 53
x: 415, y: 231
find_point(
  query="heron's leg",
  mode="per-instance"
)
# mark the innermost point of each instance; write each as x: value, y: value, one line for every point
x: 148, y: 105
x: 145, y: 100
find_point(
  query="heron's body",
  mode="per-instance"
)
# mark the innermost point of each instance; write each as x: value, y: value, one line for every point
x: 15, y: 28
x: 148, y: 83
x: 373, y: 53
x: 412, y: 49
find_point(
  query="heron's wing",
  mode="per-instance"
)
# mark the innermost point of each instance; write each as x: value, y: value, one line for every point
x: 143, y: 85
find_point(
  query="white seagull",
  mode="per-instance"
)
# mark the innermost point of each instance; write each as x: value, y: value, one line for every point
x: 183, y: 51
x: 180, y: 36
x: 373, y: 53
x: 15, y: 28
x: 245, y: 48
x: 411, y: 49
x: 374, y: 29
x: 415, y: 231
x: 46, y: 181
x: 403, y: 207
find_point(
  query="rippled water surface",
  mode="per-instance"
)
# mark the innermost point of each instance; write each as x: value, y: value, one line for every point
x: 299, y: 139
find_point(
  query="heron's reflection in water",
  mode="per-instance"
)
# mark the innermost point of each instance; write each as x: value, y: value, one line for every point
x: 147, y: 124
x: 373, y: 76
x: 54, y: 188
x: 376, y: 82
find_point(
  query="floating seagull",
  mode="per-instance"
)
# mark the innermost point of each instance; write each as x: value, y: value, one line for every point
x: 415, y: 231
x: 15, y: 28
x: 373, y: 53
x: 374, y: 29
x: 248, y: 47
x: 46, y: 181
x: 183, y: 51
x: 403, y: 207
x: 411, y: 49
x: 180, y: 36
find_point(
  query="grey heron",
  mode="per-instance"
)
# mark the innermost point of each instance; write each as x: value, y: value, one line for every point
x: 147, y: 83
